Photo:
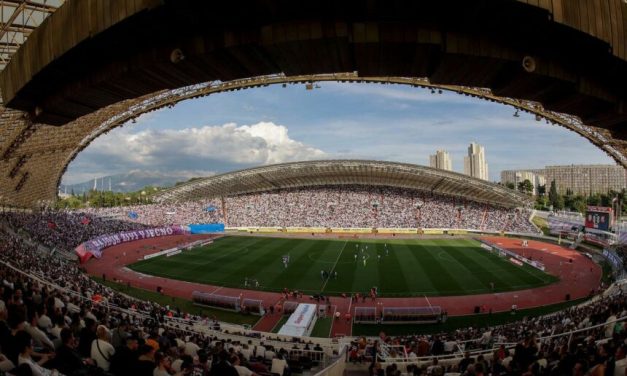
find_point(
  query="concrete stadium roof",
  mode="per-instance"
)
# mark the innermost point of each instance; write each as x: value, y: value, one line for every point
x: 345, y: 172
x: 18, y: 18
x: 94, y: 65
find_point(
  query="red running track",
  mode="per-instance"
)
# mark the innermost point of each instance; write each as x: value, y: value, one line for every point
x: 577, y: 278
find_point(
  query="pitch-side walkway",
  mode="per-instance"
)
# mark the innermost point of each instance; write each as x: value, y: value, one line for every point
x: 577, y: 278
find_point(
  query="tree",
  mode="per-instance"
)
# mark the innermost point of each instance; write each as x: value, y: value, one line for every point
x: 510, y: 185
x: 553, y: 196
x: 579, y: 204
x: 525, y: 187
x: 559, y: 203
x: 542, y: 190
x: 541, y: 202
x: 594, y: 200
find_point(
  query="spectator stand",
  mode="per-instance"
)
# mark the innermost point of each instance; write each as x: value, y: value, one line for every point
x: 402, y: 362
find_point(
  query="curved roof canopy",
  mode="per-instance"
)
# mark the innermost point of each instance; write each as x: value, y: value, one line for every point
x: 95, y: 64
x: 345, y: 172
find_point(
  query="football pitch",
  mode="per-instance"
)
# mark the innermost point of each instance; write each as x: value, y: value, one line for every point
x: 399, y: 267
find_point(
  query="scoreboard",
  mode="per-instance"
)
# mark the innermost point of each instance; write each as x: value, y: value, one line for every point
x: 599, y: 217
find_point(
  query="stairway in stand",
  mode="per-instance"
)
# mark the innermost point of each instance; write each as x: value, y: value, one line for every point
x: 356, y: 369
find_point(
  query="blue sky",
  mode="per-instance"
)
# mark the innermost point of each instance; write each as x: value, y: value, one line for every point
x: 233, y: 130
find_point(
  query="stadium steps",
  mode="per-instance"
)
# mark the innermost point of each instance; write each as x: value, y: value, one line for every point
x: 356, y: 369
x: 268, y: 322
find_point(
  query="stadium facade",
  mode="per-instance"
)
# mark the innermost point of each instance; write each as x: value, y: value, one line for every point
x: 579, y: 179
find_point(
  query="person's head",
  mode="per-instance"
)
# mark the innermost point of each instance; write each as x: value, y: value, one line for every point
x: 578, y: 369
x: 90, y: 324
x: 146, y: 351
x: 59, y: 320
x: 67, y: 337
x: 132, y: 343
x: 235, y: 360
x: 161, y: 360
x: 224, y: 356
x: 16, y: 317
x: 102, y: 332
x: 24, y: 343
x: 203, y: 357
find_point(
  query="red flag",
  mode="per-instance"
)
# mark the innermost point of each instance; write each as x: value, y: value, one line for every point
x: 86, y: 221
x: 52, y: 224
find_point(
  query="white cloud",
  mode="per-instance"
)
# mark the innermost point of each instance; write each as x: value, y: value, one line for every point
x: 399, y: 92
x: 196, y: 149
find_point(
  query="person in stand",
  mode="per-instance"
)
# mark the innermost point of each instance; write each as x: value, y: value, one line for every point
x: 373, y: 352
x: 101, y: 349
x: 24, y: 344
x: 67, y: 359
x: 223, y: 367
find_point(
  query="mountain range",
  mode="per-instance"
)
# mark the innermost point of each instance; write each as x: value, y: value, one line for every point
x: 129, y: 182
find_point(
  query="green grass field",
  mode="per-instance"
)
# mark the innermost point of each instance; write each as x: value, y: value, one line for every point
x: 453, y: 266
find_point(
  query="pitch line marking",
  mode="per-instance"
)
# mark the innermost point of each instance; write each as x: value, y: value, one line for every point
x: 336, y: 262
x: 333, y: 267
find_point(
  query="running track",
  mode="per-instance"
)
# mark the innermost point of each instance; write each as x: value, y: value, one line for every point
x: 578, y: 279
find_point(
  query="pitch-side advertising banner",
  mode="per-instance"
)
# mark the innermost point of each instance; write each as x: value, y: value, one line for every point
x: 94, y: 247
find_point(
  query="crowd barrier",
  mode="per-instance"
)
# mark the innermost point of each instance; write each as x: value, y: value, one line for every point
x: 513, y: 256
x: 177, y: 250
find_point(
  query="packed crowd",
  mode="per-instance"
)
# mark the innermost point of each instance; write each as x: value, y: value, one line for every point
x: 84, y: 334
x: 346, y: 206
x: 597, y: 351
x: 183, y: 213
x: 71, y: 329
x: 65, y: 230
x: 380, y: 207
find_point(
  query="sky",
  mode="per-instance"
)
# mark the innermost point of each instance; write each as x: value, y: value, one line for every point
x: 234, y: 130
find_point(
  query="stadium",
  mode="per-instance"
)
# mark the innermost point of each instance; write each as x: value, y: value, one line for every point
x: 317, y: 267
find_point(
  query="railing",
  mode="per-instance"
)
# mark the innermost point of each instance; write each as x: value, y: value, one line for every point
x: 183, y: 325
x: 336, y: 368
x: 329, y: 347
x: 570, y: 334
x: 453, y: 358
